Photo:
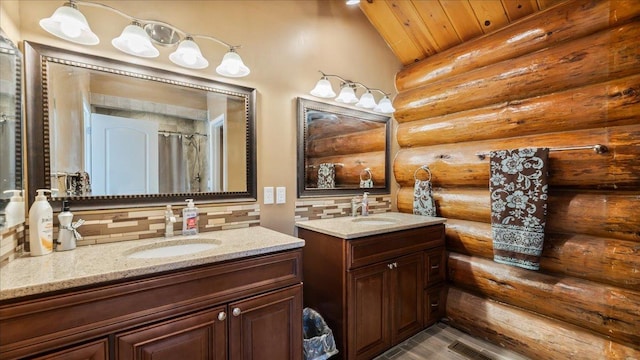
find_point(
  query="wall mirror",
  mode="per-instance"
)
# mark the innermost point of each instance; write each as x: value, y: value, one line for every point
x: 106, y: 133
x: 341, y: 151
x: 10, y: 122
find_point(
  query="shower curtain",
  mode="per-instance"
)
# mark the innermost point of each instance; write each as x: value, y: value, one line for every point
x: 173, y: 170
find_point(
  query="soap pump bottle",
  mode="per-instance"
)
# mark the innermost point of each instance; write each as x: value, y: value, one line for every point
x: 66, y: 236
x: 14, y: 212
x: 190, y: 219
x: 365, y: 204
x: 41, y: 225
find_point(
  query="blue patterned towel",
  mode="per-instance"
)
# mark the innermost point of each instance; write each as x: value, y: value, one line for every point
x: 518, y: 187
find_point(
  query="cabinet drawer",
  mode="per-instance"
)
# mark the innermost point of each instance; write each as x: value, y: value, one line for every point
x: 434, y: 266
x: 373, y: 249
x: 435, y: 300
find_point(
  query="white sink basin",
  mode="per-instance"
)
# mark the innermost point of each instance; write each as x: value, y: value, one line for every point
x: 374, y: 221
x: 172, y: 248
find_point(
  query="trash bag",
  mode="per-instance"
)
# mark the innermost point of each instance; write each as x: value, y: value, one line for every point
x: 318, y: 341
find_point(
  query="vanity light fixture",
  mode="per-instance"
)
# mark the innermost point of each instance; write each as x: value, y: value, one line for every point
x: 138, y: 38
x: 323, y: 89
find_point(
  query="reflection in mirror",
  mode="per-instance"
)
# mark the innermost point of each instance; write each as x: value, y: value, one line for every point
x: 341, y: 150
x: 120, y: 133
x: 10, y: 127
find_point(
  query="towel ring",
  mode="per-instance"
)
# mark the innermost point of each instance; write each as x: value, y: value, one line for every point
x: 366, y: 171
x: 423, y: 167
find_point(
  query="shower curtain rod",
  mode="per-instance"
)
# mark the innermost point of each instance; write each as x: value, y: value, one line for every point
x: 179, y: 133
x: 597, y: 148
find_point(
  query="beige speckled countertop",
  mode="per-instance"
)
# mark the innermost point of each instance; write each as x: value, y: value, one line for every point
x: 354, y: 227
x: 94, y: 264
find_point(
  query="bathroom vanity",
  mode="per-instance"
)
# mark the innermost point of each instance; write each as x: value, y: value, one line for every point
x: 240, y: 296
x: 376, y: 280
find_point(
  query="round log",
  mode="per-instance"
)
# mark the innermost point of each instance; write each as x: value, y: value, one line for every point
x: 606, y: 55
x: 608, y: 261
x: 569, y: 20
x: 364, y: 141
x: 608, y: 310
x: 352, y: 165
x: 601, y: 214
x: 534, y: 336
x: 613, y: 103
x: 459, y: 165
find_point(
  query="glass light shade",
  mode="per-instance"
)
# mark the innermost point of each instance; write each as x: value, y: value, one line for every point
x: 188, y: 55
x: 232, y: 65
x: 135, y: 41
x: 347, y: 95
x: 384, y: 106
x: 367, y: 101
x: 69, y: 24
x: 323, y: 89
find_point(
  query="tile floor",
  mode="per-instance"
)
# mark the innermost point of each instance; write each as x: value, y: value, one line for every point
x: 432, y: 344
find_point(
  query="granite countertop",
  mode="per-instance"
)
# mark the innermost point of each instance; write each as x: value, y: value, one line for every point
x: 349, y: 227
x: 94, y: 264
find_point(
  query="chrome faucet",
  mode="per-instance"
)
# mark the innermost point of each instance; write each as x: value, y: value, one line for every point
x: 364, y: 205
x: 169, y: 219
x: 355, y: 206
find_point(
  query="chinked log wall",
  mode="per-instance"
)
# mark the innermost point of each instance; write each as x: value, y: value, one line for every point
x: 567, y: 76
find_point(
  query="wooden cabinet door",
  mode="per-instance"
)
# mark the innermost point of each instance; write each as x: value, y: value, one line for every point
x: 202, y: 335
x: 406, y: 297
x: 434, y: 304
x: 368, y: 311
x: 268, y: 326
x: 97, y: 350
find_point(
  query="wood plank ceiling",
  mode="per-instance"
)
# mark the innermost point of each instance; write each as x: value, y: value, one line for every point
x: 417, y: 29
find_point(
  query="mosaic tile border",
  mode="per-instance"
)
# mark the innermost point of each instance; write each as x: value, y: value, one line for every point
x: 324, y: 208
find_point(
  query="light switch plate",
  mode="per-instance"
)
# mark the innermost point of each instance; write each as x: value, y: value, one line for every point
x: 268, y: 195
x: 281, y: 195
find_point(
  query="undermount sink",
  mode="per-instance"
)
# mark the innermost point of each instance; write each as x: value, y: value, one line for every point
x: 374, y: 221
x: 173, y: 248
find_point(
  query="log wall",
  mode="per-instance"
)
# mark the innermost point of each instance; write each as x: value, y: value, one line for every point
x: 575, y: 83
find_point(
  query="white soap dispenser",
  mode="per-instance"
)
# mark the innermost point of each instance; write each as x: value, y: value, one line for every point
x: 41, y: 225
x: 66, y: 235
x: 190, y: 219
x: 14, y: 212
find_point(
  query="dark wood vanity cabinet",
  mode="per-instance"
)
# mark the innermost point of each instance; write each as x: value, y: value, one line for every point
x: 241, y: 309
x: 374, y: 291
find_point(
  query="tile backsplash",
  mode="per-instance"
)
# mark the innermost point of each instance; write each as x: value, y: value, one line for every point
x: 11, y: 242
x: 322, y: 208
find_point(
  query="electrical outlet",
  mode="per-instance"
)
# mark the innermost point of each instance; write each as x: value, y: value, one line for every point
x: 268, y: 195
x: 281, y: 195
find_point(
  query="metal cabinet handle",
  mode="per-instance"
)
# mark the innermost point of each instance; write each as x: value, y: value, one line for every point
x: 436, y: 304
x: 437, y: 266
x: 395, y: 265
x: 222, y: 315
x: 236, y: 312
x: 390, y: 266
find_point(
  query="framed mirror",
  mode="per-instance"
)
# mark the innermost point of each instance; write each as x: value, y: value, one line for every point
x: 341, y: 150
x: 10, y: 122
x: 106, y: 133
